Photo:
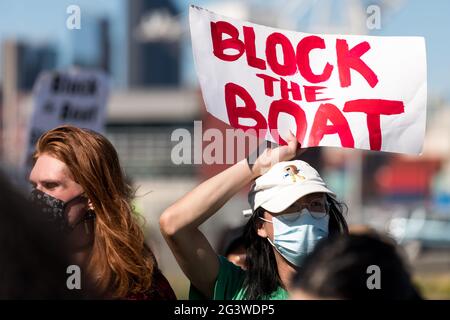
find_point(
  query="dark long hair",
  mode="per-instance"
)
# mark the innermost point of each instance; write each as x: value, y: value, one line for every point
x: 262, y: 276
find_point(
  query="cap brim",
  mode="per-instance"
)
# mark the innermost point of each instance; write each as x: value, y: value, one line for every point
x: 290, y: 194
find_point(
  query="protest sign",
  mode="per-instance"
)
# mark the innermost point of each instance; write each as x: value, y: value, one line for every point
x: 349, y: 91
x: 76, y: 97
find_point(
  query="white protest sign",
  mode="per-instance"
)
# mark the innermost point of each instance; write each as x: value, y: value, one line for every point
x: 348, y: 91
x: 75, y: 97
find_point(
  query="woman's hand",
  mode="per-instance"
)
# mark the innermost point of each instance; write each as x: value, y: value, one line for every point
x: 272, y: 156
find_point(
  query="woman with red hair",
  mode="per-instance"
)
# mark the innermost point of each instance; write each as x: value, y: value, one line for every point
x: 78, y: 182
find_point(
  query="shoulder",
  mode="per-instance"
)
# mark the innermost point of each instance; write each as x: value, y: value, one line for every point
x: 160, y: 289
x: 229, y: 269
x: 229, y: 282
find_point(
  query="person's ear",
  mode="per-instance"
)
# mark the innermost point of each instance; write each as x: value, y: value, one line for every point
x: 90, y: 205
x: 261, y: 228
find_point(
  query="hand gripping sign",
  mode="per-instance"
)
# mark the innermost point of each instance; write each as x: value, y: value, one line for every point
x: 330, y: 90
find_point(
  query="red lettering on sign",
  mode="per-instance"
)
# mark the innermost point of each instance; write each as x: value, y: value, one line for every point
x: 288, y: 67
x: 329, y: 112
x: 374, y: 108
x: 249, y: 41
x: 304, y: 47
x: 311, y: 93
x: 291, y: 108
x: 294, y: 89
x: 351, y: 59
x: 268, y: 83
x: 235, y: 112
x: 220, y: 45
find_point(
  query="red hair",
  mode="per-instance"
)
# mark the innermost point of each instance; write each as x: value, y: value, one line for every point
x: 121, y: 263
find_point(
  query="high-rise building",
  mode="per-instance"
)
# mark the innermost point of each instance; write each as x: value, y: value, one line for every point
x: 154, y: 52
x: 91, y: 44
x: 31, y: 60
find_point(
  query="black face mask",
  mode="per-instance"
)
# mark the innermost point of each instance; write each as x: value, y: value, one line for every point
x: 55, y: 210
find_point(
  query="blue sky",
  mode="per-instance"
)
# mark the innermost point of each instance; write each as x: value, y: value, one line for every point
x: 44, y: 21
x: 430, y: 19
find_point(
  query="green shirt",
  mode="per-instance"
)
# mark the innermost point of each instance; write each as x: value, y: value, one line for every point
x: 229, y: 285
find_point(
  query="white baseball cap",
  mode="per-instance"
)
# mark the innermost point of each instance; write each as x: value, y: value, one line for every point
x: 284, y: 184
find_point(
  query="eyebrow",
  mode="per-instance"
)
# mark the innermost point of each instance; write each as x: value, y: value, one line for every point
x: 46, y: 181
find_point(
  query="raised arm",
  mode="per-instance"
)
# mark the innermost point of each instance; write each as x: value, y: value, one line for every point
x: 179, y: 223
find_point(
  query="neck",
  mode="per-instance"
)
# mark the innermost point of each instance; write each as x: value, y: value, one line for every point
x: 81, y: 241
x: 81, y: 257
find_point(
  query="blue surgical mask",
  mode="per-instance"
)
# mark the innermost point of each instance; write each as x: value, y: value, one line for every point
x: 296, y: 234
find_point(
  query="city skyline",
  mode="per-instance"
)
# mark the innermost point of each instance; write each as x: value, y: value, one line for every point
x: 45, y: 25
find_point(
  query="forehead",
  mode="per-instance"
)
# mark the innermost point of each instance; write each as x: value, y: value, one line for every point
x: 49, y: 168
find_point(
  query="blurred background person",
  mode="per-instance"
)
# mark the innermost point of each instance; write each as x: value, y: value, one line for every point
x: 77, y: 179
x: 32, y: 264
x: 340, y: 268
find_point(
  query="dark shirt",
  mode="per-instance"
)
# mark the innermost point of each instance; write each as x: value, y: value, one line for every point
x: 160, y: 290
